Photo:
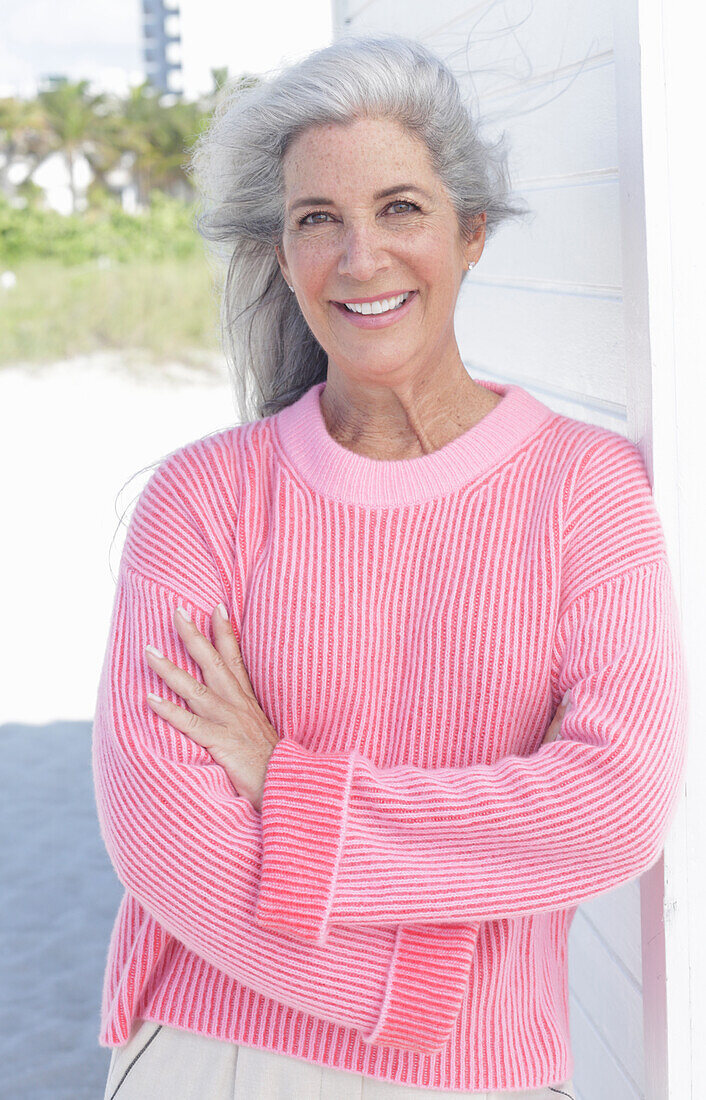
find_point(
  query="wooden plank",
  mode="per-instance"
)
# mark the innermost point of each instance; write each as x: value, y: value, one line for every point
x: 615, y: 918
x: 659, y: 48
x: 610, y: 997
x: 571, y: 239
x: 572, y: 342
x: 597, y: 1076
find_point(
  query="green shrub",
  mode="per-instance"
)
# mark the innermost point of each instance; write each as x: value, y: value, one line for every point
x: 164, y: 231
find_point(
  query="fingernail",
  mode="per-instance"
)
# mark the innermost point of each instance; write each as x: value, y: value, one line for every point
x: 567, y: 697
x: 222, y: 611
x: 153, y: 649
x: 184, y: 614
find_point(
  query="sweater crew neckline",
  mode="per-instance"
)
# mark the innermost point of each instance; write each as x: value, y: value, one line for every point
x: 335, y: 471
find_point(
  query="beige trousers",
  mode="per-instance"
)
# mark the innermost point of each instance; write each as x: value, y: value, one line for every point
x: 165, y: 1063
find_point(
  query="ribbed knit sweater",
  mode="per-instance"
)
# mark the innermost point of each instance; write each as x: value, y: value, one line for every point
x: 400, y: 906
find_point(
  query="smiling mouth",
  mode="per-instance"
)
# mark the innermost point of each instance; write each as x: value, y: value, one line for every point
x: 381, y: 305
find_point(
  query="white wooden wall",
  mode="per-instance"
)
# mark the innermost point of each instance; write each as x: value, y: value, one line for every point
x: 545, y: 308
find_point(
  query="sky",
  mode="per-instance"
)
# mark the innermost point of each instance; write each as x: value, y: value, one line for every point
x: 101, y: 41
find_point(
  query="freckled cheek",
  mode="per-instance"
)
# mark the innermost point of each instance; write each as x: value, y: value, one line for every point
x: 313, y: 267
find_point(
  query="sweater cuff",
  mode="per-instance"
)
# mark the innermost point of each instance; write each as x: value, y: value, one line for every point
x: 303, y: 812
x: 304, y: 804
x: 427, y: 985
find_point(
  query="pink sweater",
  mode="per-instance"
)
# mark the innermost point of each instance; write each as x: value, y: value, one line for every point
x: 401, y: 906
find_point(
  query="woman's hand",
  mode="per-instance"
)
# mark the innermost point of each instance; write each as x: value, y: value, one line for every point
x: 555, y: 728
x: 225, y: 717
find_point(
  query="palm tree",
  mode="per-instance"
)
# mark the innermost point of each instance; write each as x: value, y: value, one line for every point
x: 159, y: 137
x: 24, y: 136
x: 107, y: 147
x: 71, y: 113
x: 155, y: 135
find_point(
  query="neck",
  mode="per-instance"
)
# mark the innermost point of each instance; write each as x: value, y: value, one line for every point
x: 403, y: 419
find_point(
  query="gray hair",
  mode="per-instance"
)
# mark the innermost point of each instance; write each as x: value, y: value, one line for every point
x: 236, y: 165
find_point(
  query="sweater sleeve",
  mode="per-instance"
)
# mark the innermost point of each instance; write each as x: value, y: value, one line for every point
x: 189, y: 848
x: 349, y: 843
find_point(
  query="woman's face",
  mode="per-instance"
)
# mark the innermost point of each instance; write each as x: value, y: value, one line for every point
x: 368, y: 219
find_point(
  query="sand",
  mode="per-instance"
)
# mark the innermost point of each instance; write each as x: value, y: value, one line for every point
x: 71, y: 436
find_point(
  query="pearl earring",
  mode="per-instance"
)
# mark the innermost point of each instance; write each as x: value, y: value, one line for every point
x: 471, y: 264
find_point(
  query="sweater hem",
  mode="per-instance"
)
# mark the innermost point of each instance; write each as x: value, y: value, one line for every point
x: 338, y: 1047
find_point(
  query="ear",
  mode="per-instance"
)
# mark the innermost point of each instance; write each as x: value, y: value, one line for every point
x: 282, y: 264
x: 477, y: 240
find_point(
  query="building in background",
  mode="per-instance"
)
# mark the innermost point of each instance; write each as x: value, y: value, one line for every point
x: 161, y: 46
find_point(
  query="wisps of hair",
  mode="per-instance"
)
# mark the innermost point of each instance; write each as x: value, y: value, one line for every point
x: 237, y: 168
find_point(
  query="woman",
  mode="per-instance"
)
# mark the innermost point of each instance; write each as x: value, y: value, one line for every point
x: 351, y: 838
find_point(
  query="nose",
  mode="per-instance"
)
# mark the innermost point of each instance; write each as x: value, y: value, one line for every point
x: 361, y: 253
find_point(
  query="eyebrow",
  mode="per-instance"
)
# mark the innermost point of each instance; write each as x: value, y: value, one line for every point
x: 315, y: 201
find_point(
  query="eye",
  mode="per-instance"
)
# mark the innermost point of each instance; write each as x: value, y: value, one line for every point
x: 404, y: 202
x: 313, y: 214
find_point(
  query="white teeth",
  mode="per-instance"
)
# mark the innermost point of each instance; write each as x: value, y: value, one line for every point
x: 383, y: 305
